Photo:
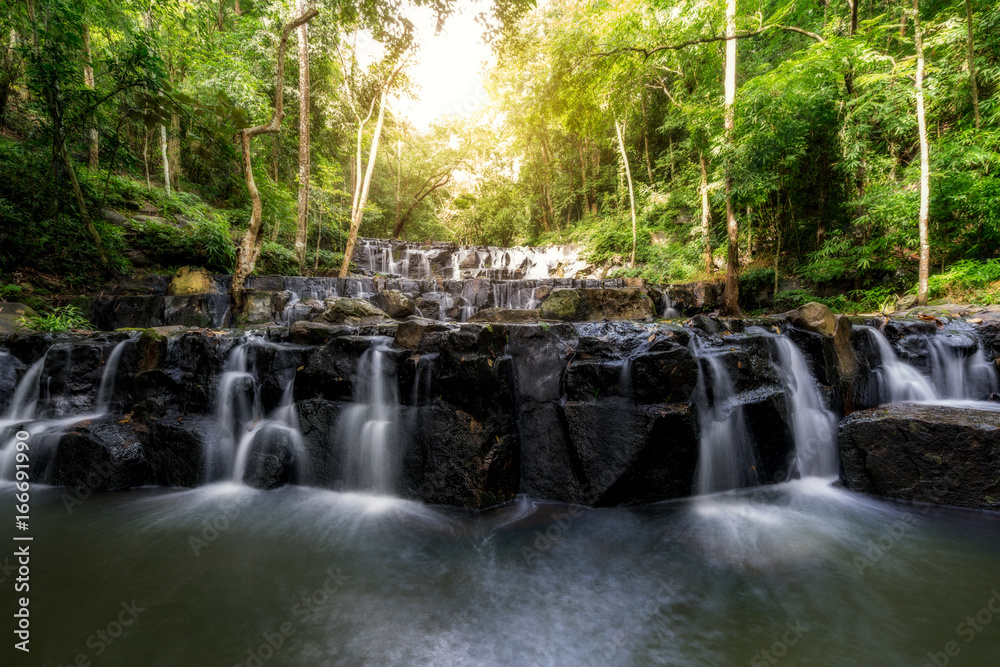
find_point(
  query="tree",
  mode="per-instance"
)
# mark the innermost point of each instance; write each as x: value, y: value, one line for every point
x: 253, y: 239
x: 925, y: 163
x: 631, y: 194
x: 362, y: 185
x: 302, y: 218
x: 731, y: 295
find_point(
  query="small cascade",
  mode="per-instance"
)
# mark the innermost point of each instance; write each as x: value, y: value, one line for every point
x: 107, y: 388
x: 237, y: 409
x: 281, y: 425
x: 368, y: 428
x: 897, y: 380
x: 668, y: 312
x: 508, y: 296
x: 46, y: 433
x: 445, y: 303
x: 305, y: 295
x: 956, y: 374
x: 24, y: 403
x: 814, y: 426
x: 726, y: 458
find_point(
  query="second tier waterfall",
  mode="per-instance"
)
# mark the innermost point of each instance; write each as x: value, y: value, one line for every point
x: 369, y: 428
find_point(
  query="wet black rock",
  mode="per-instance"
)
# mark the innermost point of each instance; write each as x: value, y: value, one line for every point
x: 101, y: 455
x: 925, y: 453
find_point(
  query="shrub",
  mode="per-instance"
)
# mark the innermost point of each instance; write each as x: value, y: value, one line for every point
x: 57, y: 321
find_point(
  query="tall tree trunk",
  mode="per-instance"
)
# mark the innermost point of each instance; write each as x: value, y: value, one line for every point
x: 166, y: 161
x: 645, y: 138
x: 81, y: 203
x: 174, y: 151
x: 88, y: 80
x: 250, y: 246
x: 731, y: 295
x: 925, y: 166
x: 706, y: 213
x: 972, y: 63
x: 631, y: 194
x: 361, y: 194
x: 302, y: 217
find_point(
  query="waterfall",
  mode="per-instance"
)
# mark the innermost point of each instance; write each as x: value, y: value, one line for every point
x: 369, y: 427
x: 898, y: 381
x: 104, y: 393
x: 283, y: 422
x: 45, y: 433
x: 667, y: 306
x: 726, y: 458
x: 237, y: 408
x: 955, y: 374
x: 25, y: 400
x: 814, y: 426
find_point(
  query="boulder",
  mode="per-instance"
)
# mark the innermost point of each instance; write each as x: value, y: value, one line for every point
x: 271, y: 462
x: 409, y: 334
x: 924, y: 453
x: 561, y: 304
x: 315, y: 333
x: 395, y: 304
x: 100, y: 455
x: 257, y: 308
x: 192, y: 280
x: 176, y: 447
x: 355, y: 312
x: 814, y: 317
x: 907, y: 302
x: 197, y: 310
x: 10, y: 315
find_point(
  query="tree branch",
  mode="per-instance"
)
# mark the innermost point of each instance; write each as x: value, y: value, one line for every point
x: 646, y: 53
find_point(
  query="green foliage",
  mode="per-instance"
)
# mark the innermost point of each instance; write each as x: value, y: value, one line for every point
x: 964, y: 276
x: 10, y: 292
x: 276, y: 259
x: 58, y: 320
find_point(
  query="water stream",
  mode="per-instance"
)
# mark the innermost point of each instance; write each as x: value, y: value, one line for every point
x: 726, y: 455
x: 813, y: 574
x: 369, y: 427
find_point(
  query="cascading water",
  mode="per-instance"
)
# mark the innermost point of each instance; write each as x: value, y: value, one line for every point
x: 726, y: 457
x: 283, y: 424
x: 669, y: 312
x: 368, y: 428
x: 897, y: 380
x: 241, y: 422
x: 47, y: 432
x: 814, y: 425
x: 957, y: 374
x: 237, y: 409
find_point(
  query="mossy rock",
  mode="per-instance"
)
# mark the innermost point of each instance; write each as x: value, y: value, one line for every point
x: 192, y: 280
x: 561, y: 304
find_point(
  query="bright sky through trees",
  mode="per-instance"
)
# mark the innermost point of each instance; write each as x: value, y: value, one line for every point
x: 448, y: 74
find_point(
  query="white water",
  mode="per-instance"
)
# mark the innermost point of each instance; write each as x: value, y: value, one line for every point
x: 45, y: 433
x: 669, y: 312
x: 898, y: 381
x: 726, y: 458
x: 814, y: 425
x: 955, y: 375
x: 284, y: 419
x: 369, y: 427
x: 237, y: 409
